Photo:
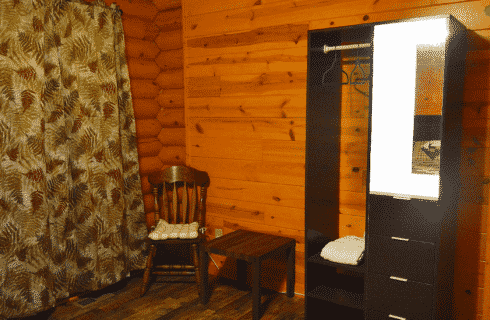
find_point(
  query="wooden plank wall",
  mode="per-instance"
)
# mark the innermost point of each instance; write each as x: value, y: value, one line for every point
x: 154, y: 51
x: 245, y: 100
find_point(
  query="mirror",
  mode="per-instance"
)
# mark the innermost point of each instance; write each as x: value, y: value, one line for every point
x: 407, y: 98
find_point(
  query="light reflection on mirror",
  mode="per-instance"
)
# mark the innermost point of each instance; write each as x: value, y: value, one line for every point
x: 408, y: 73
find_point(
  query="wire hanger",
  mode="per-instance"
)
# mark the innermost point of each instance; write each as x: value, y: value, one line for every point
x: 357, y: 65
x: 331, y: 67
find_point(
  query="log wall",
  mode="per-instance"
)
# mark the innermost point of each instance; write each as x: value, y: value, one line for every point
x: 154, y: 51
x: 245, y: 100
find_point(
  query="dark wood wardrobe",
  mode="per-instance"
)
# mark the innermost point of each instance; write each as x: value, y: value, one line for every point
x: 407, y: 271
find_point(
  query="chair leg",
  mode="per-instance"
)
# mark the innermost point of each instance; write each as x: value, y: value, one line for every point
x: 149, y: 264
x: 195, y: 248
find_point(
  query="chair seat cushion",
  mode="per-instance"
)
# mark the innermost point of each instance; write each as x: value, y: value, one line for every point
x: 165, y: 230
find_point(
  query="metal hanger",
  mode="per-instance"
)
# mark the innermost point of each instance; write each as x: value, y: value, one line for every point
x: 331, y: 67
x: 358, y: 65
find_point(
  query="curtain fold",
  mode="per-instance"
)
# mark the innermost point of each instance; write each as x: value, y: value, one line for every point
x: 71, y: 206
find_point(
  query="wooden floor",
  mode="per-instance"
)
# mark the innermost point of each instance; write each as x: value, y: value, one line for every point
x: 174, y: 300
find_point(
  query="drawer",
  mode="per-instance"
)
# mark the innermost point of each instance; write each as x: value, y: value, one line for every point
x: 414, y: 219
x: 405, y: 299
x: 410, y: 259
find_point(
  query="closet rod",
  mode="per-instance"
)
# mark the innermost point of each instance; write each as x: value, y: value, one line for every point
x: 326, y: 49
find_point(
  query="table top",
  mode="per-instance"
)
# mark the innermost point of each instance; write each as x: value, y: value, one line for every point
x: 248, y: 245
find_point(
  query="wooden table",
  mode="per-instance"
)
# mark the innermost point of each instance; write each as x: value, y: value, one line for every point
x: 252, y: 247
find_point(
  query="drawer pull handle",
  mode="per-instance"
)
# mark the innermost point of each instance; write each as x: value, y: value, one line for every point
x: 396, y: 238
x: 397, y: 317
x: 402, y: 196
x: 399, y: 279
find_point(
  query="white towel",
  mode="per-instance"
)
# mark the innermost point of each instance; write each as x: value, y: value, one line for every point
x: 346, y: 250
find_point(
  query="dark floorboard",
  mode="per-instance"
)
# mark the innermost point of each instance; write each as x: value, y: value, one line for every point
x: 175, y: 300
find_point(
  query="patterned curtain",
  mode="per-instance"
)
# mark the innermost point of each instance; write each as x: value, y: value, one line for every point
x: 71, y: 207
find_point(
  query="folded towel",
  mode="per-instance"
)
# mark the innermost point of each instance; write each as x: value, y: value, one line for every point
x: 346, y: 250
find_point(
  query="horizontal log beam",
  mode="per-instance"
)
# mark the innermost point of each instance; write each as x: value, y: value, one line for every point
x: 144, y: 89
x: 171, y: 117
x: 172, y: 137
x: 171, y: 98
x: 173, y: 79
x: 138, y: 48
x: 171, y: 59
x: 145, y: 108
x: 170, y: 40
x: 172, y: 154
x: 142, y: 69
x: 148, y: 128
x: 167, y: 4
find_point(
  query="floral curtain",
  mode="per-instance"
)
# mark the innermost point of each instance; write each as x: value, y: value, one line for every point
x: 71, y: 207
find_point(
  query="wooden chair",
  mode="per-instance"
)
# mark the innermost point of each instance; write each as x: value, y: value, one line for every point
x: 184, y: 183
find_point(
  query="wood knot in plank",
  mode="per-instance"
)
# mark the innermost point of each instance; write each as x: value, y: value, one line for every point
x: 291, y: 134
x: 194, y: 26
x: 258, y: 3
x: 199, y: 128
x: 285, y: 102
x: 290, y: 74
x: 276, y: 198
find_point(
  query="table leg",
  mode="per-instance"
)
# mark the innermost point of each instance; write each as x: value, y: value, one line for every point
x: 204, y: 285
x: 291, y: 271
x: 256, y: 290
x: 241, y: 274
